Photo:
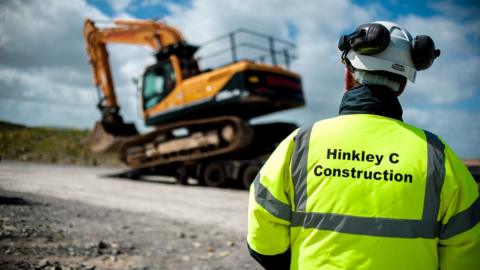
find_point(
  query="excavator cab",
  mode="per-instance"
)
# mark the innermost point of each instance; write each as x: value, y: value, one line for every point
x: 158, y: 81
x: 174, y: 64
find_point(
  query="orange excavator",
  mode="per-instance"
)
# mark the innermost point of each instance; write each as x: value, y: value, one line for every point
x: 200, y: 117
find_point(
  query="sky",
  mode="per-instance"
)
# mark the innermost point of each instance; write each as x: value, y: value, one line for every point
x: 45, y: 78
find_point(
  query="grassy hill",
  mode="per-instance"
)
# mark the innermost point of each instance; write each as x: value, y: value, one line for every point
x: 50, y: 145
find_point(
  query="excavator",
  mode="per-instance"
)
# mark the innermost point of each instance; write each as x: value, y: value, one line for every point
x: 200, y: 118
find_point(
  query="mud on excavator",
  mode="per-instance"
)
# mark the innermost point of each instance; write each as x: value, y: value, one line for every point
x: 200, y: 117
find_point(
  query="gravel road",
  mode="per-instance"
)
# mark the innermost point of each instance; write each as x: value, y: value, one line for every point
x: 68, y: 217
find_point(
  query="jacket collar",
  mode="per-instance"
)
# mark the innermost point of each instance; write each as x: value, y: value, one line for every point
x: 371, y: 99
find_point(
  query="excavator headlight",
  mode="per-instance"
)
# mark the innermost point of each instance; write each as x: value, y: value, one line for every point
x: 253, y: 79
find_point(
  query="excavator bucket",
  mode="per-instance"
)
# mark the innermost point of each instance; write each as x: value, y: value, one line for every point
x: 109, y: 137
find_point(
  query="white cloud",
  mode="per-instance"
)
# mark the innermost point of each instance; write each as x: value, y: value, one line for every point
x: 453, y: 76
x: 44, y: 72
x: 119, y: 6
x: 45, y: 67
x: 43, y: 33
x: 54, y: 85
x: 459, y: 128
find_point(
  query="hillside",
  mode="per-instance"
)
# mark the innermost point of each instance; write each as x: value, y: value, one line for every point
x: 49, y: 145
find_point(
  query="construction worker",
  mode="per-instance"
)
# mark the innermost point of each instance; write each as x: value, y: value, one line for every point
x: 365, y: 190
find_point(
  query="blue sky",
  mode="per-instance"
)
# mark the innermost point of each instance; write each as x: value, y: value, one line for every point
x: 138, y: 11
x: 45, y: 78
x: 392, y: 7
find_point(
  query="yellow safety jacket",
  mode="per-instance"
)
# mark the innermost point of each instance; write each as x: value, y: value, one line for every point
x: 364, y: 191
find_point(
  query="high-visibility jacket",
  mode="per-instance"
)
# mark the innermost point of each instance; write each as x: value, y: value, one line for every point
x: 365, y: 191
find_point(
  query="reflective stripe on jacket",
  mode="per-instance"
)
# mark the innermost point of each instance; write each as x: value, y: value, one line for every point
x: 364, y: 191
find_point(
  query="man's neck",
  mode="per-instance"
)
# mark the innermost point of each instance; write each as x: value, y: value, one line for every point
x: 371, y: 99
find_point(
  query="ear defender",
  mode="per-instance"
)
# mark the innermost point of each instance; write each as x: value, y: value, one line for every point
x: 373, y: 38
x: 424, y: 52
x: 368, y: 39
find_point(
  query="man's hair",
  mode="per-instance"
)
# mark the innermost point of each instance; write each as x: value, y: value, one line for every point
x: 391, y: 80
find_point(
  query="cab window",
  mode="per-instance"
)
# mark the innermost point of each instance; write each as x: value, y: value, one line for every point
x: 157, y: 83
x: 189, y: 67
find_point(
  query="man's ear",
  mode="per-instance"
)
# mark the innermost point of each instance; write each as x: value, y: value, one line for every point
x: 349, y: 79
x: 402, y: 87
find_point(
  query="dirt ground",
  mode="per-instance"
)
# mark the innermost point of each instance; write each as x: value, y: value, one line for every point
x: 42, y: 230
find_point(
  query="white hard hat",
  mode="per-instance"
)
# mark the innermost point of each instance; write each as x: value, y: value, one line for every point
x: 395, y: 58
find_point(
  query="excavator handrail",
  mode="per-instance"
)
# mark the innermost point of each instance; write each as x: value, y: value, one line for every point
x: 248, y: 45
x: 285, y: 53
x: 233, y: 47
x: 248, y: 31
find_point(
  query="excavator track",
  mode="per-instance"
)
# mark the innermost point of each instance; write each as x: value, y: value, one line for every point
x: 198, y: 139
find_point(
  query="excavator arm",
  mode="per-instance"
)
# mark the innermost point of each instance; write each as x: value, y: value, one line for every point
x: 153, y: 34
x: 111, y: 132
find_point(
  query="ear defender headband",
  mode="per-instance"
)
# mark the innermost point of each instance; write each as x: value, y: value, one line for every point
x: 369, y: 39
